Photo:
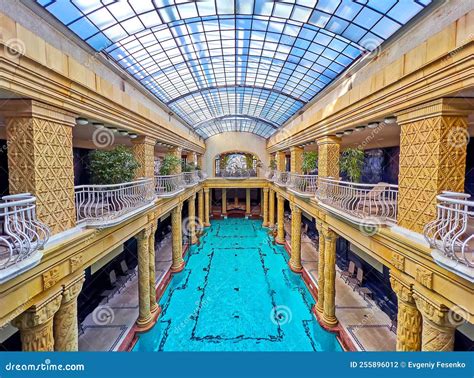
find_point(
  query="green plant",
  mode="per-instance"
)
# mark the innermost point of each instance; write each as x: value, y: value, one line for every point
x: 249, y: 161
x: 351, y: 163
x: 224, y: 162
x: 112, y: 167
x: 273, y: 164
x: 310, y: 161
x: 188, y: 167
x: 169, y: 164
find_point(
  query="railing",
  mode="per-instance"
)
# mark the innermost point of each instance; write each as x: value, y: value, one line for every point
x: 371, y: 202
x: 452, y: 233
x: 303, y: 185
x: 169, y: 185
x: 21, y: 234
x: 102, y: 205
x: 201, y: 175
x: 281, y: 178
x: 190, y: 178
x: 270, y: 175
x: 238, y: 174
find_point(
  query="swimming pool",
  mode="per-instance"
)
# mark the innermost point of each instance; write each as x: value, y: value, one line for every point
x: 237, y: 293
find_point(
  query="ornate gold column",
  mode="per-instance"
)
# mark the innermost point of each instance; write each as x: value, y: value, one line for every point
x: 280, y: 157
x: 438, y: 328
x: 271, y: 215
x: 433, y: 143
x: 329, y: 314
x: 199, y: 161
x: 328, y: 157
x: 201, y: 206
x: 321, y: 265
x: 206, y: 207
x: 152, y: 268
x: 36, y: 325
x: 265, y: 207
x: 192, y: 219
x: 144, y: 152
x: 144, y: 313
x: 295, y: 259
x: 224, y: 201
x: 280, y: 239
x: 177, y: 234
x: 65, y: 329
x: 177, y: 151
x: 408, y: 317
x: 248, y: 209
x: 296, y: 162
x: 40, y: 159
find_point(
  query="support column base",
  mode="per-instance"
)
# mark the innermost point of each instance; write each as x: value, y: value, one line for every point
x: 179, y: 268
x: 154, y: 308
x: 265, y: 224
x: 295, y: 269
x: 279, y: 241
x: 144, y: 327
x: 194, y: 240
x: 144, y: 324
x: 207, y: 225
x: 329, y: 322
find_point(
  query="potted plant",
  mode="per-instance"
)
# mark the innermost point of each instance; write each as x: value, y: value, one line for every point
x: 169, y: 165
x: 273, y: 164
x: 310, y: 161
x: 113, y: 166
x: 351, y: 163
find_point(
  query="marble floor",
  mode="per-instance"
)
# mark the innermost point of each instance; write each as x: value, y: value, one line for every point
x: 107, y: 326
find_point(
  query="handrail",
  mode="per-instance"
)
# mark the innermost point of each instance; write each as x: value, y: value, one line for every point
x: 303, y: 184
x: 102, y: 204
x: 169, y: 185
x: 368, y: 201
x: 190, y: 178
x: 21, y: 233
x: 201, y: 175
x: 282, y: 178
x: 452, y: 232
x: 238, y: 173
x: 270, y: 174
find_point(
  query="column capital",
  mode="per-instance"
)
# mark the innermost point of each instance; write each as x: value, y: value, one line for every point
x: 144, y: 139
x: 39, y: 313
x: 294, y: 208
x: 206, y: 190
x: 192, y: 197
x: 329, y: 234
x: 144, y: 234
x: 329, y: 139
x: 266, y: 190
x: 72, y: 289
x: 435, y: 108
x: 402, y: 285
x: 432, y: 307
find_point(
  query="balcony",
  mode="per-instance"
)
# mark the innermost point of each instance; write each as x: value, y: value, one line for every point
x: 107, y: 205
x: 365, y: 204
x: 304, y: 186
x: 238, y: 174
x: 201, y: 175
x: 281, y: 178
x: 169, y: 186
x: 451, y: 235
x: 270, y: 175
x: 21, y: 235
x: 190, y: 179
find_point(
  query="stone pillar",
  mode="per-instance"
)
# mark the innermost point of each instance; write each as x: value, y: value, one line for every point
x: 40, y: 159
x: 321, y: 265
x: 65, y: 327
x: 295, y: 259
x: 280, y: 239
x: 224, y: 201
x: 192, y: 219
x: 248, y: 210
x: 152, y: 268
x: 206, y: 207
x: 199, y: 161
x: 265, y: 207
x: 433, y: 142
x: 329, y: 314
x: 144, y: 152
x: 328, y: 157
x: 177, y: 234
x: 408, y: 317
x: 201, y: 207
x: 192, y: 157
x: 36, y: 325
x: 271, y: 206
x: 280, y: 157
x: 438, y: 328
x: 144, y: 312
x: 296, y: 162
x: 178, y: 152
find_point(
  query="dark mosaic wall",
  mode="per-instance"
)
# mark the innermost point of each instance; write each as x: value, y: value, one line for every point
x: 469, y: 184
x: 81, y: 162
x: 381, y: 165
x: 3, y: 168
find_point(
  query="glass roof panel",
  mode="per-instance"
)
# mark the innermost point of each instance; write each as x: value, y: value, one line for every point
x: 254, y: 62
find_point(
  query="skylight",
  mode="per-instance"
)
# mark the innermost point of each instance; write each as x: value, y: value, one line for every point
x: 234, y: 65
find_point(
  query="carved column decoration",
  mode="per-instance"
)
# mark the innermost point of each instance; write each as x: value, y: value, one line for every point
x: 40, y: 159
x: 143, y: 149
x: 206, y: 207
x: 224, y: 201
x: 201, y: 207
x: 408, y: 318
x: 321, y: 265
x: 271, y: 206
x: 328, y: 157
x: 295, y: 259
x: 178, y: 152
x: 296, y: 161
x: 192, y: 219
x: 265, y: 207
x: 280, y: 158
x: 151, y: 245
x: 329, y: 314
x: 280, y: 239
x: 248, y: 209
x: 177, y: 234
x: 144, y: 313
x: 65, y: 320
x: 36, y: 325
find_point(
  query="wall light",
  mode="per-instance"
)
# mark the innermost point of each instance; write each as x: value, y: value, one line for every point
x: 339, y: 134
x: 98, y: 125
x: 359, y: 128
x: 132, y: 135
x: 82, y: 121
x: 348, y: 132
x: 373, y: 125
x: 390, y: 120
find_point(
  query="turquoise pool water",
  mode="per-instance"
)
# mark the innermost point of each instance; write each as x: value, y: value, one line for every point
x: 237, y: 294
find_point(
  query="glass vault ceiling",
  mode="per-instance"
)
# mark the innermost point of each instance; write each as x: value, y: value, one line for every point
x: 243, y: 65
